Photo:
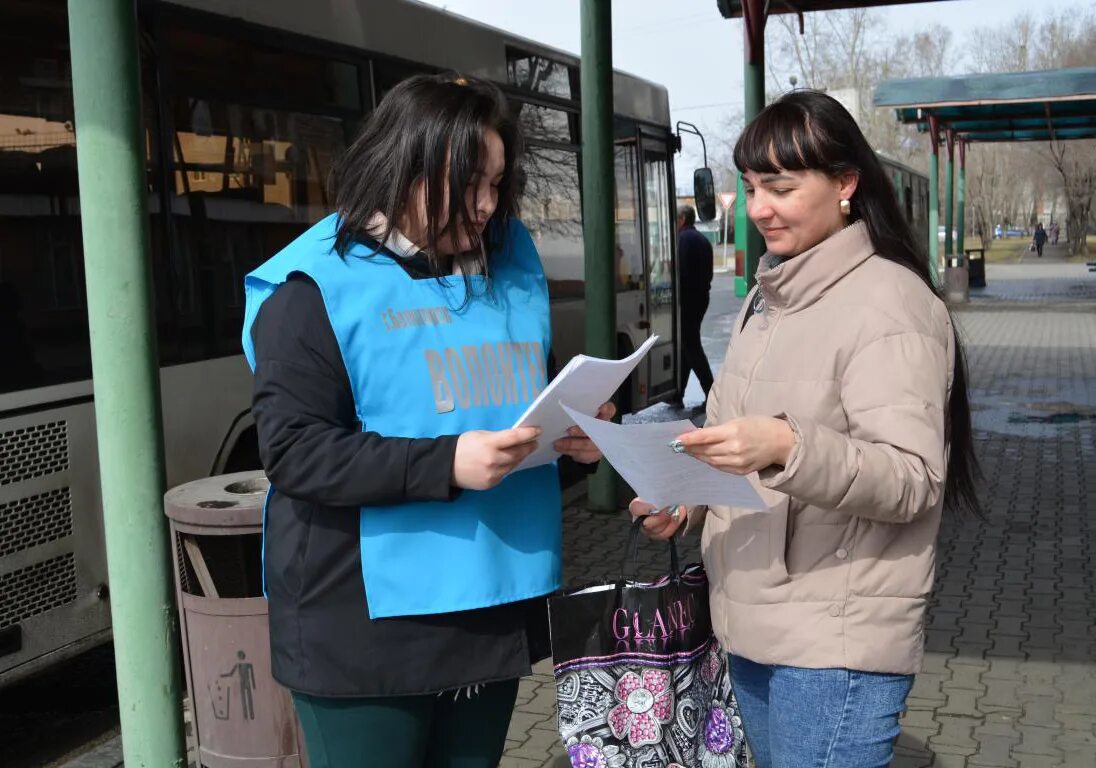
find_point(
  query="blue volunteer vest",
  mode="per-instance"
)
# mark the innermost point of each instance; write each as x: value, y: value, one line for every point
x: 422, y: 365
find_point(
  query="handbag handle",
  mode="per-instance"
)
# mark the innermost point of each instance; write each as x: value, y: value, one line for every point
x: 632, y: 554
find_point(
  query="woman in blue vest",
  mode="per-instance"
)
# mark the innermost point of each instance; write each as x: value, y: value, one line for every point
x: 394, y: 343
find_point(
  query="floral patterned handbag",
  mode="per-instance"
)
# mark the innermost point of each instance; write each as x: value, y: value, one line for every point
x: 641, y: 681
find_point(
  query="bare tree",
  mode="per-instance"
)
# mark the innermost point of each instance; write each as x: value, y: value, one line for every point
x: 808, y: 56
x: 855, y: 33
x: 1004, y: 48
x: 1067, y: 40
x: 721, y: 155
x: 1076, y: 164
x: 1000, y: 186
x: 1009, y: 188
x: 849, y: 51
x: 925, y: 53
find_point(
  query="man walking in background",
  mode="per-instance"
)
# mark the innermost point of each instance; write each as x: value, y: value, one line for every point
x: 694, y: 253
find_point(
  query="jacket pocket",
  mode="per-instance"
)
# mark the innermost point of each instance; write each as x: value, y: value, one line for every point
x: 818, y: 556
x: 737, y: 548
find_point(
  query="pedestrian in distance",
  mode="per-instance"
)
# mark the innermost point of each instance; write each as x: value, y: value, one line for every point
x: 844, y: 389
x: 394, y: 343
x: 694, y: 254
x: 1039, y: 239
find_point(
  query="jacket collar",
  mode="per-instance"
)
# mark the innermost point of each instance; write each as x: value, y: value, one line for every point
x: 798, y: 282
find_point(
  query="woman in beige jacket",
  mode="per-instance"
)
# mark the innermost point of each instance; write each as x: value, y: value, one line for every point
x: 844, y: 390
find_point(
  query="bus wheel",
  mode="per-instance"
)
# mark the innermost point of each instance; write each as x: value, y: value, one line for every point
x: 245, y: 453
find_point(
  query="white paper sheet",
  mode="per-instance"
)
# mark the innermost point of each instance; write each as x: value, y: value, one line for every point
x: 584, y: 384
x: 642, y: 455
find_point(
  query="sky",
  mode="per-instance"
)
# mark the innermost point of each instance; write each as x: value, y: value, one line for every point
x: 688, y: 47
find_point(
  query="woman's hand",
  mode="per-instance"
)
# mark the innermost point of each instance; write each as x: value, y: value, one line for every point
x: 741, y: 446
x: 577, y: 445
x: 483, y: 458
x: 660, y: 524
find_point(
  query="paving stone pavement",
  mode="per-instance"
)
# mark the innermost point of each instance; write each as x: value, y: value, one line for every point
x: 1009, y: 678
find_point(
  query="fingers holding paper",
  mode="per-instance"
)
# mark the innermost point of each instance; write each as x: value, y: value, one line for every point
x: 660, y: 524
x: 580, y: 447
x: 483, y: 458
x: 742, y: 445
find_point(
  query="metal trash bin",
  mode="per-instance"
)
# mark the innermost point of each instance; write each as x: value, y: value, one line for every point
x: 976, y: 270
x: 240, y: 716
x: 956, y: 281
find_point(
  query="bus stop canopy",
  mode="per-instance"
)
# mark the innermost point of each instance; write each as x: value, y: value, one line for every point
x: 1052, y: 105
x: 1015, y: 106
x: 732, y: 9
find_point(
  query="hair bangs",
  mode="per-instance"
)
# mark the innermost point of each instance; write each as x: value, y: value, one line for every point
x: 780, y: 138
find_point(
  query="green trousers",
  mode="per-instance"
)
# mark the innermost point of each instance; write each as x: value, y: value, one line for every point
x: 447, y: 731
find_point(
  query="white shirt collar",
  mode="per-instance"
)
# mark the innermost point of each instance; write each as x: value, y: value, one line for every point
x: 397, y: 242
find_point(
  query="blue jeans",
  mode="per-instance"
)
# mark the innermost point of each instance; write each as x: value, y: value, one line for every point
x: 818, y: 718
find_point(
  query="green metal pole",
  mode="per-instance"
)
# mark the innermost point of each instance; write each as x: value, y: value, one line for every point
x: 596, y: 82
x: 111, y: 161
x: 754, y: 18
x: 741, y: 282
x: 934, y: 200
x: 961, y: 200
x: 949, y: 195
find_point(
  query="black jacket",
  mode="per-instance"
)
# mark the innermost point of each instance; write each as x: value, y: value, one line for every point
x: 694, y: 254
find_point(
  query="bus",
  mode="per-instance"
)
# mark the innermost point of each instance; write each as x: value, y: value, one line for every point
x: 246, y: 106
x: 912, y: 189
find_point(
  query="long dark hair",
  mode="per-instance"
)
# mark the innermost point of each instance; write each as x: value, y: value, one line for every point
x: 808, y: 130
x: 429, y: 129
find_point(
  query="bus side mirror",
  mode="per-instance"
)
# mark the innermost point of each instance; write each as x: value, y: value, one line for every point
x: 704, y: 193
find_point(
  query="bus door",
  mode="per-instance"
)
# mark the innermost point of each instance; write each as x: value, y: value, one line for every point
x: 631, y: 284
x: 659, y: 231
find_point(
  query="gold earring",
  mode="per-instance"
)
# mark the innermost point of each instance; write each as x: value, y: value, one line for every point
x: 846, y: 207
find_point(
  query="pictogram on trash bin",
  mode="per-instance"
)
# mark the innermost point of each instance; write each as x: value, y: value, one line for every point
x: 241, y: 679
x: 241, y: 716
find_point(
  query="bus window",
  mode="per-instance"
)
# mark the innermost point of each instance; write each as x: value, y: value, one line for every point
x: 629, y: 246
x: 388, y: 72
x: 213, y: 66
x: 660, y: 231
x: 540, y: 74
x: 250, y: 174
x: 43, y: 315
x: 552, y: 210
x: 545, y: 124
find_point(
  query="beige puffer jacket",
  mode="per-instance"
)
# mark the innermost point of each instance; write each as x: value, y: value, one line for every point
x: 857, y: 353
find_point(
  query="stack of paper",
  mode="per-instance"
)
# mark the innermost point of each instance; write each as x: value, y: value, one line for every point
x: 584, y: 384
